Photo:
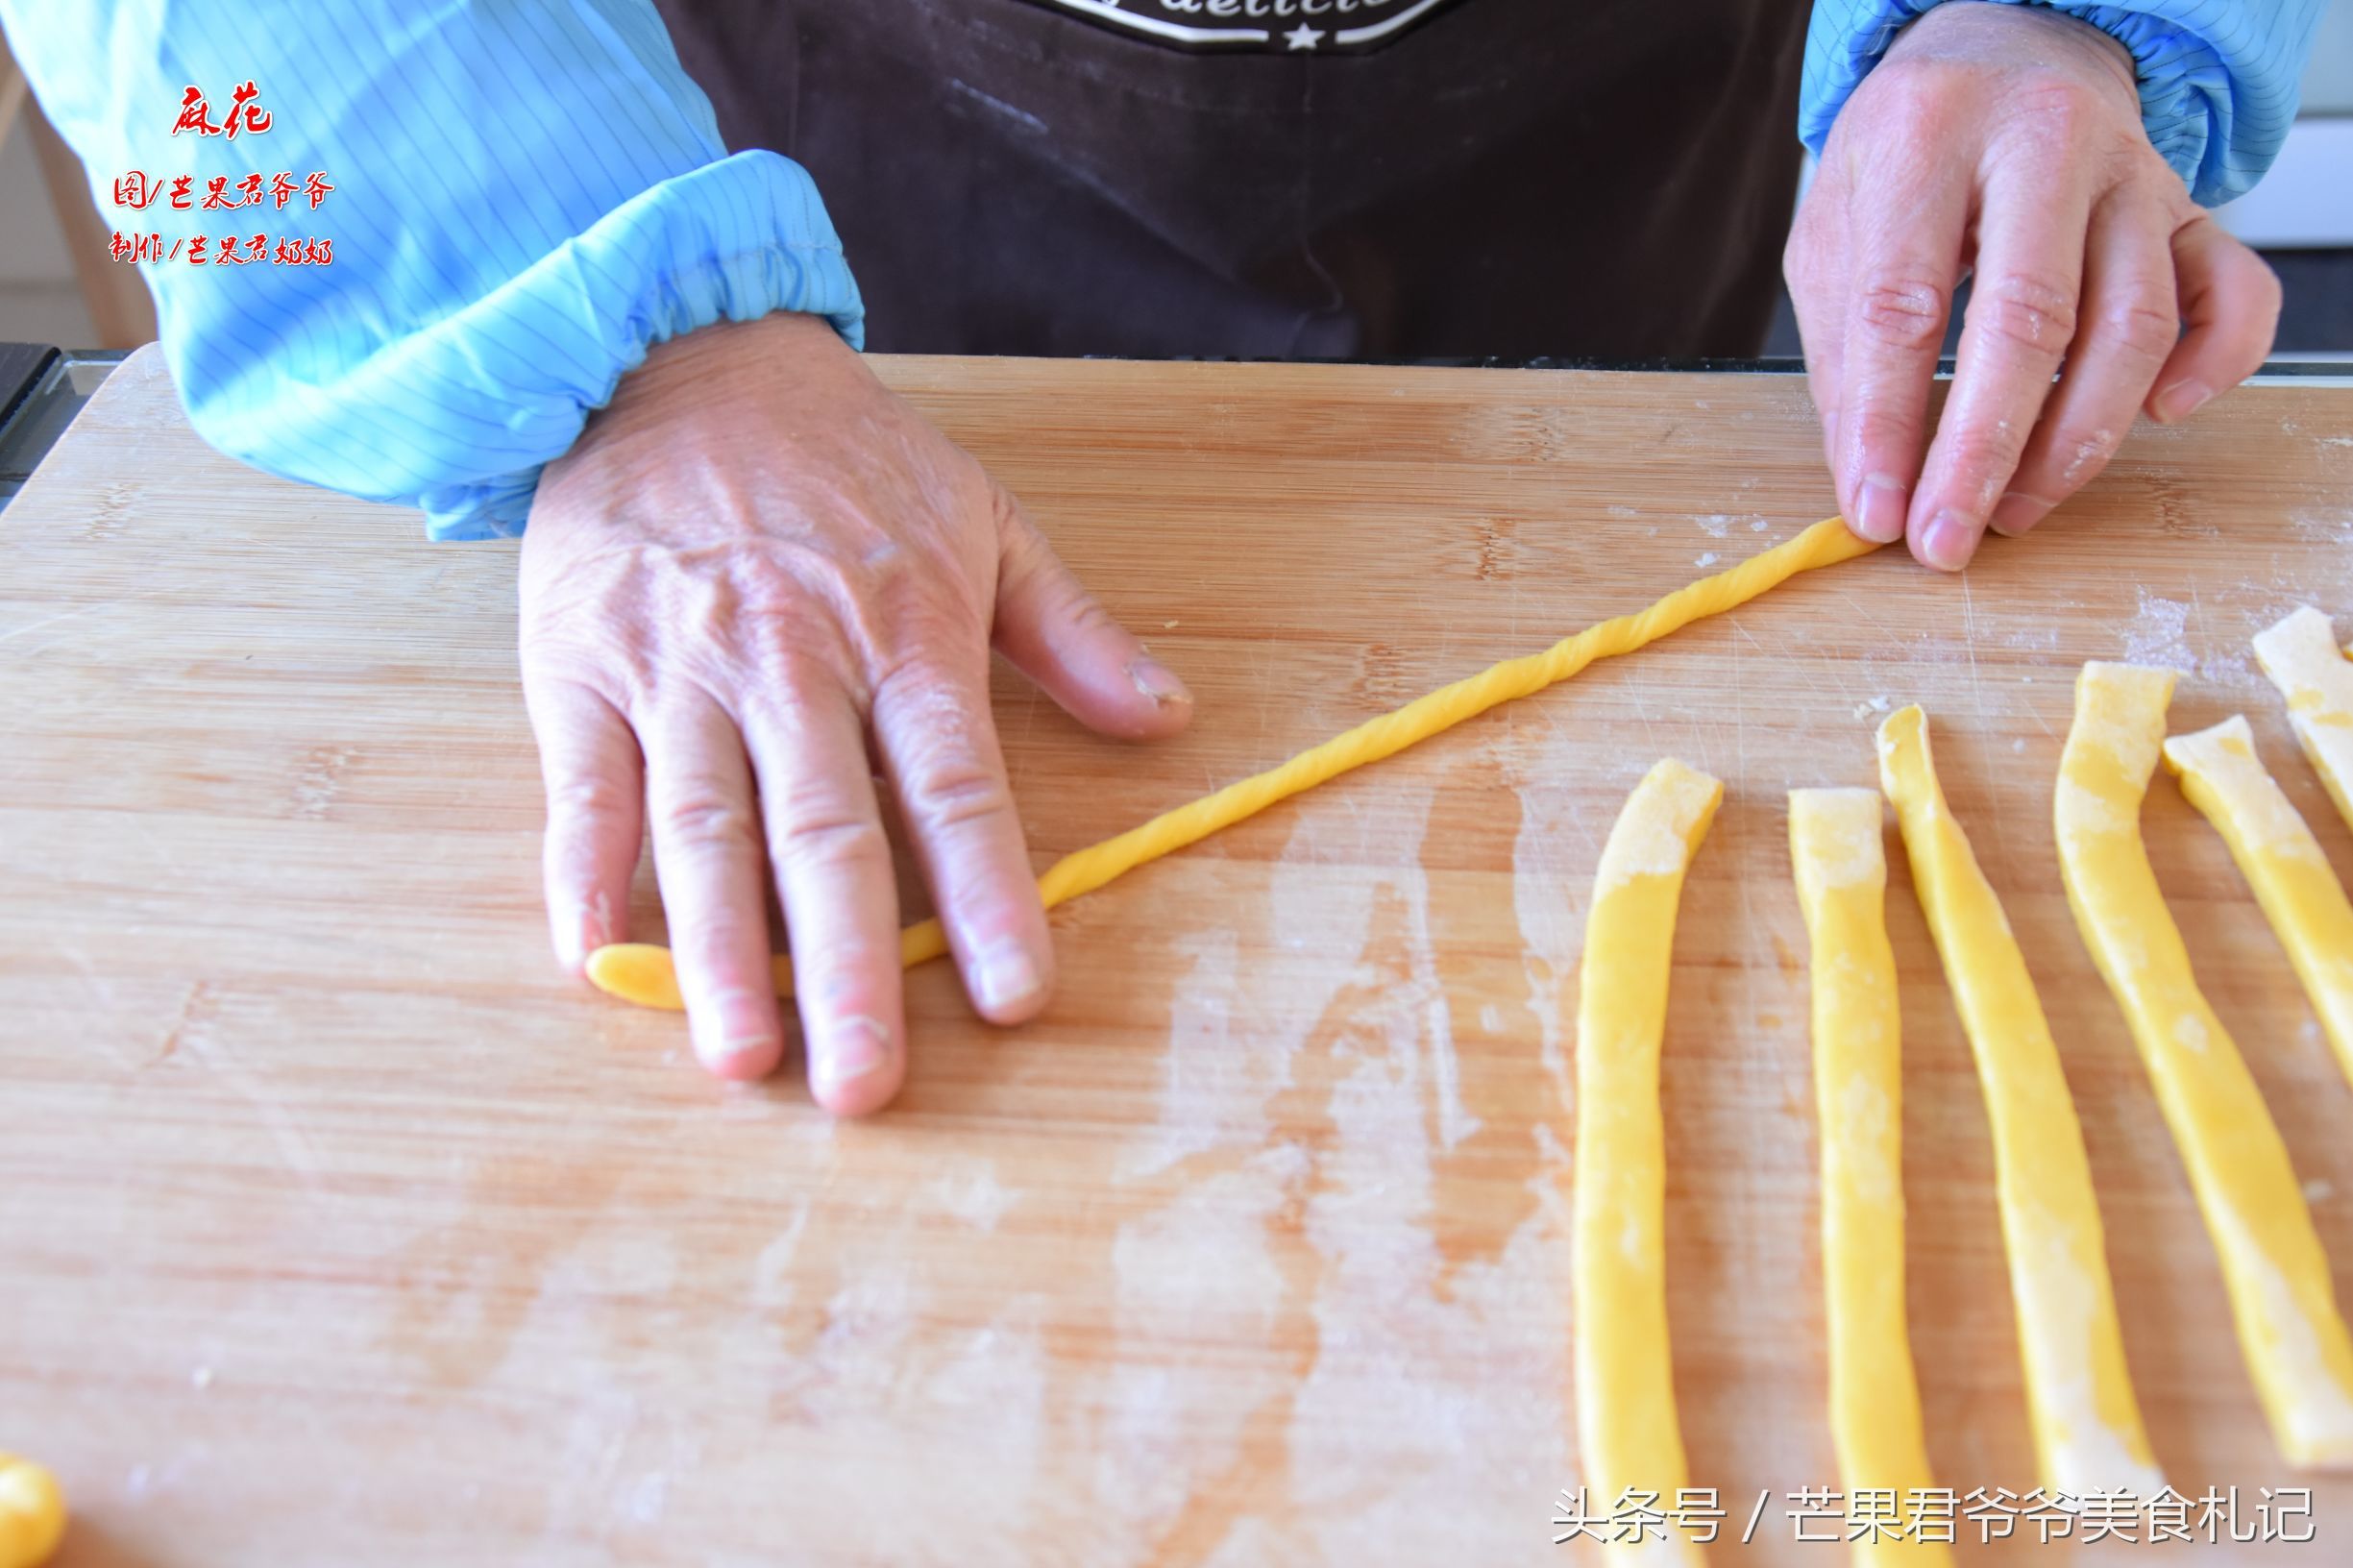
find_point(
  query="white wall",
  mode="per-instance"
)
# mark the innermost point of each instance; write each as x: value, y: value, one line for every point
x: 2307, y: 198
x: 2328, y: 85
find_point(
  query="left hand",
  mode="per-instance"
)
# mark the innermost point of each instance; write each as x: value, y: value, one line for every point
x: 2007, y: 141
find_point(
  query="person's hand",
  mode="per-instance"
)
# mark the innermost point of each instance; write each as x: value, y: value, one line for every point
x: 754, y: 555
x: 2007, y: 141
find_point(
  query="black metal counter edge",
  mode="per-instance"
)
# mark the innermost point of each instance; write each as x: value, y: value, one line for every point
x: 21, y: 366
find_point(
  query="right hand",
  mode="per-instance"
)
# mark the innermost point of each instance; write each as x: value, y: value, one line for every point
x: 754, y: 556
x: 2006, y: 140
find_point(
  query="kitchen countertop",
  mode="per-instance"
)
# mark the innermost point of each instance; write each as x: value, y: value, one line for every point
x: 338, y: 1227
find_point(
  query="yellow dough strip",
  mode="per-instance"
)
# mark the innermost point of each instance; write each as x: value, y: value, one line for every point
x: 1858, y: 1094
x: 2281, y: 860
x: 2301, y: 656
x: 1626, y: 1429
x: 2290, y: 1332
x: 32, y: 1513
x: 641, y: 973
x: 2079, y: 1398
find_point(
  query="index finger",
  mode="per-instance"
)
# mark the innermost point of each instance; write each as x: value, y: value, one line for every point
x: 832, y: 865
x: 595, y: 784
x: 706, y: 851
x: 934, y: 731
x: 2021, y: 319
x: 1899, y: 292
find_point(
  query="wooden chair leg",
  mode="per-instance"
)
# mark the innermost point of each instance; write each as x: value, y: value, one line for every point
x: 13, y: 93
x: 116, y: 296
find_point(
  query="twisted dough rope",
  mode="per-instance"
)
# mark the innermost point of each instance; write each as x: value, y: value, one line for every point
x: 641, y: 973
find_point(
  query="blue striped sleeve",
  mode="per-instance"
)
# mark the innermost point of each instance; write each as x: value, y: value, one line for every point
x: 2218, y: 78
x: 526, y: 197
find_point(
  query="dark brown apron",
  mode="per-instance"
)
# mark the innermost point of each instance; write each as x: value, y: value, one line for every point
x: 1320, y: 177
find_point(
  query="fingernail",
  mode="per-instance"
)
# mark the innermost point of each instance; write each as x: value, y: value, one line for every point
x: 743, y: 1028
x: 1005, y: 977
x: 2181, y: 400
x: 1946, y: 541
x: 1879, y: 509
x: 2018, y: 513
x: 855, y: 1047
x: 1156, y: 681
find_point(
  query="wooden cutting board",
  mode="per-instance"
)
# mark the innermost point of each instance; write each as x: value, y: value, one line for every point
x: 337, y: 1227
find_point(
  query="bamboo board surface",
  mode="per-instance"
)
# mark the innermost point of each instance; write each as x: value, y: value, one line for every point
x: 336, y: 1227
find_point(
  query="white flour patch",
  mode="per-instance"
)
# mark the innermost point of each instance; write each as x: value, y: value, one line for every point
x: 2157, y: 635
x: 2089, y: 454
x: 1196, y: 1272
x: 1236, y: 1023
x: 2228, y: 670
x: 1621, y: 511
x: 1553, y: 862
x: 1203, y: 1059
x: 1459, y: 1441
x: 970, y: 1190
x: 1708, y: 559
x: 1001, y: 1369
x: 1718, y: 524
x: 2323, y: 527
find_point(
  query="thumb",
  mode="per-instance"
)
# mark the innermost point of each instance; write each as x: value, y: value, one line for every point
x: 2230, y: 299
x: 1061, y: 637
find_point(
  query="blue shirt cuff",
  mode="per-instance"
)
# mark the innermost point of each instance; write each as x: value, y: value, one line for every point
x: 731, y: 241
x: 2218, y: 79
x: 513, y: 204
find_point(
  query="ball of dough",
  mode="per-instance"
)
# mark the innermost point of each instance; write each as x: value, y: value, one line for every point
x: 32, y: 1513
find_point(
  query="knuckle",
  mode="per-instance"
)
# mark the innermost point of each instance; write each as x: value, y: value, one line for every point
x: 776, y: 596
x: 1903, y: 310
x: 1985, y: 450
x: 946, y: 778
x: 1919, y: 85
x: 2266, y: 285
x: 559, y: 665
x: 813, y: 837
x: 1797, y: 251
x: 707, y: 943
x: 950, y: 794
x: 918, y: 637
x: 700, y: 813
x: 2055, y: 110
x: 587, y: 798
x: 1083, y: 613
x: 2035, y: 312
x: 2142, y: 327
x: 1875, y: 428
x: 1005, y: 509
